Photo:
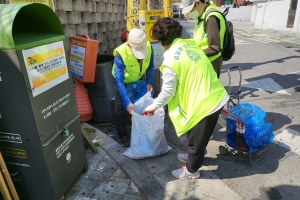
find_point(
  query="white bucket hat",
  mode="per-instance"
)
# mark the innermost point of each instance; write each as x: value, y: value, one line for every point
x: 138, y: 43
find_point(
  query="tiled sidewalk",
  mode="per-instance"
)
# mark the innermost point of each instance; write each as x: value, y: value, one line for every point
x: 103, y: 180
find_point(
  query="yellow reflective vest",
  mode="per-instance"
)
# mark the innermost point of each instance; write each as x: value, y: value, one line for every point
x: 199, y: 34
x: 133, y: 71
x: 198, y: 92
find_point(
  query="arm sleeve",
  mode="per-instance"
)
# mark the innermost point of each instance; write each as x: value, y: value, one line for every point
x: 213, y: 36
x: 168, y: 89
x: 150, y: 70
x: 119, y: 79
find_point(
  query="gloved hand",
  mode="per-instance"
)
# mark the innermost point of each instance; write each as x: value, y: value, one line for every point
x: 149, y: 110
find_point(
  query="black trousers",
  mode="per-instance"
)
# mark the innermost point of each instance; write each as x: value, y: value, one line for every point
x: 198, y: 138
x: 119, y: 115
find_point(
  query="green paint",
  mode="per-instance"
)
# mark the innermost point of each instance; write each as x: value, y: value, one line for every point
x: 28, y: 25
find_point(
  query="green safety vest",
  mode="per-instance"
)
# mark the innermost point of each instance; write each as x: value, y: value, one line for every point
x: 200, y: 36
x: 198, y: 92
x: 133, y: 72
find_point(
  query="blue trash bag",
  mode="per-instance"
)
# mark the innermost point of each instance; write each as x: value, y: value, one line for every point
x: 249, y: 113
x: 136, y: 90
x: 258, y: 134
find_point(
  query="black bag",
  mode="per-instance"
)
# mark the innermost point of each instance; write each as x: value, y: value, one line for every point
x: 228, y: 44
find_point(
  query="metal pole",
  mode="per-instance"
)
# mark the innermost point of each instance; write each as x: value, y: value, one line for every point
x: 167, y: 7
x: 143, y: 5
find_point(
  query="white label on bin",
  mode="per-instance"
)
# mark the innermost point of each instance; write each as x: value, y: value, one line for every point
x: 64, y: 146
x: 77, y: 55
x: 46, y: 66
x: 10, y: 137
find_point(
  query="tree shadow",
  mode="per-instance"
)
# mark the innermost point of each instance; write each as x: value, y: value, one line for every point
x: 279, y: 192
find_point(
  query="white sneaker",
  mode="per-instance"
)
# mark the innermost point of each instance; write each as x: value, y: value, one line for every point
x: 182, y: 157
x: 183, y: 173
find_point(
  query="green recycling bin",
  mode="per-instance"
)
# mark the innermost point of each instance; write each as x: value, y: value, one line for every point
x: 40, y: 132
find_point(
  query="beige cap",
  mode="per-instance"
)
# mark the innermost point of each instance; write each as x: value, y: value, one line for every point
x: 138, y: 43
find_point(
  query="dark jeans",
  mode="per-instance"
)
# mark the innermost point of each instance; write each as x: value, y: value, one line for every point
x: 119, y: 115
x: 198, y: 138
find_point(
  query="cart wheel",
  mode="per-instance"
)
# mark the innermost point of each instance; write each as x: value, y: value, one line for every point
x: 223, y: 150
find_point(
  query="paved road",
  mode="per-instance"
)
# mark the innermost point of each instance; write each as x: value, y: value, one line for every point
x: 270, y: 79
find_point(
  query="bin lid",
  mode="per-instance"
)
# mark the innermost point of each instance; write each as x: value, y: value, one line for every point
x: 28, y: 25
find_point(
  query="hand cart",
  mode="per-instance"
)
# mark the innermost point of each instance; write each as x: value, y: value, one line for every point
x: 234, y: 142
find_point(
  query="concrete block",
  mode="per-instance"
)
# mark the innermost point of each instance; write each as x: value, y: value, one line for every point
x: 79, y: 5
x: 81, y: 29
x: 101, y: 27
x: 122, y: 25
x: 115, y: 25
x: 65, y: 5
x: 117, y: 16
x: 105, y: 17
x: 93, y: 28
x: 67, y: 42
x: 69, y: 30
x: 91, y: 36
x: 108, y: 27
x: 99, y: 37
x: 104, y: 46
x: 115, y: 35
x: 91, y: 6
x: 62, y: 16
x: 115, y: 8
x: 100, y: 7
x: 97, y: 17
x: 121, y: 9
x: 108, y: 7
x: 74, y: 17
x: 105, y: 37
x: 109, y: 37
x: 104, y: 1
x: 86, y: 17
x: 96, y: 0
x: 116, y: 42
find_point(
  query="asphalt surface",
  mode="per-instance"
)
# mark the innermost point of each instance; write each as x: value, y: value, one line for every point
x: 269, y: 61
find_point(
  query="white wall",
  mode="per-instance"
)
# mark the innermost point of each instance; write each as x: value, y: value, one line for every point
x: 241, y: 13
x: 275, y: 15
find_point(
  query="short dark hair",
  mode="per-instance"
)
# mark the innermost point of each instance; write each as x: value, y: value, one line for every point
x: 166, y: 30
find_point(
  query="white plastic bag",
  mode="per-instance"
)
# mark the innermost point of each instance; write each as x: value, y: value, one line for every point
x: 147, y: 132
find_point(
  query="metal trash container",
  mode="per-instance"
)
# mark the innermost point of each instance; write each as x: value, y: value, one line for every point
x: 40, y: 134
x: 102, y: 91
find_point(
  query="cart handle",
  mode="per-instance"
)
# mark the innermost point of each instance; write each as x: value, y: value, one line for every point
x: 229, y: 84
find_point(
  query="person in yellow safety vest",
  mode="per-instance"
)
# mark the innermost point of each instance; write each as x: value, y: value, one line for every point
x: 192, y: 90
x: 212, y: 40
x: 133, y: 61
